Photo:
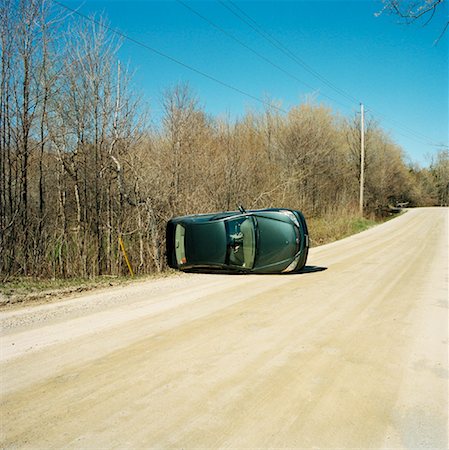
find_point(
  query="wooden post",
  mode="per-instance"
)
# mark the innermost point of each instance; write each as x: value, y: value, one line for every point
x: 122, y: 246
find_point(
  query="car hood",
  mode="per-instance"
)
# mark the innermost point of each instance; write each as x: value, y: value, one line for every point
x: 205, y: 243
x: 276, y: 244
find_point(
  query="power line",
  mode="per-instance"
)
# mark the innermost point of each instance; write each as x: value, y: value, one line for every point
x: 258, y: 54
x: 170, y: 58
x: 406, y: 129
x: 406, y: 132
x: 417, y: 136
x: 248, y: 20
x: 245, y: 18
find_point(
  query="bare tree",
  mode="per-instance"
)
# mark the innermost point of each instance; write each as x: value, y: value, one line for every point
x: 181, y: 117
x: 8, y: 208
x: 439, y: 169
x: 24, y: 93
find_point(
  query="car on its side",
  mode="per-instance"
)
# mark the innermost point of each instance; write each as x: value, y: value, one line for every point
x: 273, y: 240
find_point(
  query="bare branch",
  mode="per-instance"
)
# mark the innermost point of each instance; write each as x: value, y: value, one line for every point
x: 412, y: 11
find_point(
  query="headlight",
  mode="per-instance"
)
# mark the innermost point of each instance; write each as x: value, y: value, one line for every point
x: 291, y: 216
x: 292, y: 266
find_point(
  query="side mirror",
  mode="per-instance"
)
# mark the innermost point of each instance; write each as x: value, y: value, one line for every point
x: 241, y: 209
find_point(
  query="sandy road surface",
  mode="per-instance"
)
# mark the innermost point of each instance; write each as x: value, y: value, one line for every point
x: 354, y: 356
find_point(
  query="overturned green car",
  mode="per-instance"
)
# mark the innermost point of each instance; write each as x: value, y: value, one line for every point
x: 272, y: 240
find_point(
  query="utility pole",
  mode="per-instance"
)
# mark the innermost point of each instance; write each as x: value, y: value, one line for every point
x: 362, y: 156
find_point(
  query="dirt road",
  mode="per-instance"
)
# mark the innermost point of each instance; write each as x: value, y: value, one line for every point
x: 353, y: 356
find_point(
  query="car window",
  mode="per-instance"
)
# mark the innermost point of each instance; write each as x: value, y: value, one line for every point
x: 180, y: 244
x: 241, y: 242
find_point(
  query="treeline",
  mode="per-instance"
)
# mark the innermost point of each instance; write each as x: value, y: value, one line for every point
x: 80, y: 166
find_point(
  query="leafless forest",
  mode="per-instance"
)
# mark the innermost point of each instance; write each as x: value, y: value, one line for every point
x: 80, y: 164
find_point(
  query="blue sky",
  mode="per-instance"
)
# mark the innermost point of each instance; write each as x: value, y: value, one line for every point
x: 395, y: 70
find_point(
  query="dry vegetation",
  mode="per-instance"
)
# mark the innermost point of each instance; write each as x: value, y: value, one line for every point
x: 79, y: 166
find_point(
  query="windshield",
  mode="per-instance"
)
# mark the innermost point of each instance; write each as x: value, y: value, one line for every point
x: 241, y: 238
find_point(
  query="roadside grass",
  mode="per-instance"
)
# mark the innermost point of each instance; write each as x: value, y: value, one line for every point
x: 25, y: 290
x: 330, y: 227
x: 19, y: 290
